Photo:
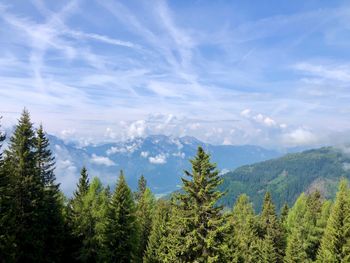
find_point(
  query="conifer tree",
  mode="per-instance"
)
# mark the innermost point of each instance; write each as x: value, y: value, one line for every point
x: 75, y: 215
x: 264, y: 250
x: 295, y: 252
x: 121, y: 226
x: 271, y: 229
x: 144, y: 210
x: 197, y: 227
x: 83, y: 184
x: 141, y: 188
x: 6, y: 219
x: 284, y: 213
x: 93, y: 223
x: 27, y: 210
x: 53, y: 223
x: 336, y: 236
x: 158, y: 233
x: 244, y: 234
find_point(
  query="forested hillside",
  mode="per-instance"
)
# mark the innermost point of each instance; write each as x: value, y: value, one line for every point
x: 288, y: 176
x: 99, y: 224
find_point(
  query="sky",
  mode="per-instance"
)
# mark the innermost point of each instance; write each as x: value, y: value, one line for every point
x: 271, y: 73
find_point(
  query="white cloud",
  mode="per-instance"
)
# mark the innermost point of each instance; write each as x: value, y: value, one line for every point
x: 144, y: 154
x: 101, y: 160
x: 264, y: 120
x: 137, y: 129
x: 158, y: 159
x: 246, y: 112
x: 300, y: 136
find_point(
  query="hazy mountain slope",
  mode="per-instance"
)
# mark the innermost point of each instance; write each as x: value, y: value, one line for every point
x: 286, y: 177
x: 160, y: 158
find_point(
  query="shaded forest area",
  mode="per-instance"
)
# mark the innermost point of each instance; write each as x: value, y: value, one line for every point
x: 98, y: 224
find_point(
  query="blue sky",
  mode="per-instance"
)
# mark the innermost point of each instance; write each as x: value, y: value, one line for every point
x: 273, y: 73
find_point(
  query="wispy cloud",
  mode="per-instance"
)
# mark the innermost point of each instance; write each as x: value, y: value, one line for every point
x: 99, y: 65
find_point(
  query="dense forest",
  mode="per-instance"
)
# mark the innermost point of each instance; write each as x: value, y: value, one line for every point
x: 98, y: 224
x: 288, y: 176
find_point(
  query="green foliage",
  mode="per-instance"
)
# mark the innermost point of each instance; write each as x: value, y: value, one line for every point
x: 25, y: 214
x: 156, y: 247
x: 271, y: 230
x: 335, y: 242
x: 295, y: 251
x: 144, y: 214
x: 196, y: 225
x: 287, y: 177
x: 121, y: 227
x: 53, y: 222
x: 88, y: 219
x: 242, y: 238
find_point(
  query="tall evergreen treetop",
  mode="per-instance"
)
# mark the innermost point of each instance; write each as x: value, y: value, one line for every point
x: 271, y: 227
x: 141, y: 186
x: 44, y: 158
x: 198, y: 225
x: 121, y: 227
x: 336, y: 239
x: 83, y: 184
x: 27, y: 192
x: 21, y: 152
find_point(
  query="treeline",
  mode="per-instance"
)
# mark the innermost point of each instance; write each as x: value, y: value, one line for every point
x: 38, y: 224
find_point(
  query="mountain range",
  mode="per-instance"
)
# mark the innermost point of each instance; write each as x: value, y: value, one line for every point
x: 161, y: 159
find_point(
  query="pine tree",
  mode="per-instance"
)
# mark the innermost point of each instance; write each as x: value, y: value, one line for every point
x: 53, y: 223
x: 271, y: 228
x: 121, y: 226
x: 144, y: 210
x: 27, y: 210
x: 142, y: 186
x: 75, y: 215
x: 83, y: 184
x: 337, y: 235
x: 264, y: 250
x: 157, y: 237
x: 295, y: 252
x: 93, y: 223
x: 284, y: 213
x: 197, y: 227
x: 6, y: 205
x: 241, y: 239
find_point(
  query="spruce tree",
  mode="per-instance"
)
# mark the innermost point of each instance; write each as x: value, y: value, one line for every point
x: 295, y: 252
x: 27, y: 210
x: 6, y: 220
x: 244, y: 234
x: 271, y: 229
x: 144, y: 210
x: 93, y: 223
x: 121, y: 225
x: 337, y: 235
x: 157, y: 238
x: 284, y: 213
x: 83, y: 184
x: 141, y: 188
x: 75, y: 215
x: 197, y: 227
x: 53, y: 223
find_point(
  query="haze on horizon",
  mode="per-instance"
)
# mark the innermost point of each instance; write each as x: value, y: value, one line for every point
x: 226, y: 72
